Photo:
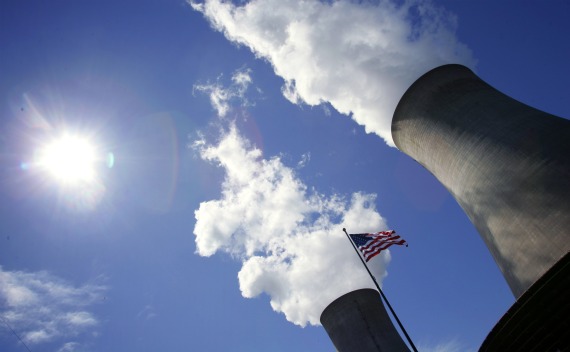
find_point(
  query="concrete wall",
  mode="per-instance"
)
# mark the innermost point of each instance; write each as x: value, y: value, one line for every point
x: 358, y: 322
x: 506, y: 164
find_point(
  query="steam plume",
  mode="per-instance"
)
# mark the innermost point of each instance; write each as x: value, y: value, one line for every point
x: 289, y: 238
x: 358, y: 56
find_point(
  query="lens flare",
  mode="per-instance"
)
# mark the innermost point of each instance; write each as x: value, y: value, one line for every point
x: 110, y: 160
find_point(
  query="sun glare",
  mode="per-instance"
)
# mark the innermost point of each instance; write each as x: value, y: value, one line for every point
x: 69, y: 159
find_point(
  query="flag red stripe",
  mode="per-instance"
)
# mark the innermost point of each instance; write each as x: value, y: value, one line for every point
x: 377, y: 240
x: 380, y: 239
x: 375, y: 253
x: 379, y: 248
x: 375, y: 245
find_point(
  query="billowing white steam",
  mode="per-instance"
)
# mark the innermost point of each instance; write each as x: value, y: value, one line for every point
x: 358, y: 56
x: 289, y: 239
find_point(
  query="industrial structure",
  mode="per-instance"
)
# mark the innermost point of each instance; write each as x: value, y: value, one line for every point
x: 358, y: 322
x: 508, y: 167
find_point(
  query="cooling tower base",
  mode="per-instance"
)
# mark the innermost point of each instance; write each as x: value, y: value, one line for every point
x: 540, y: 318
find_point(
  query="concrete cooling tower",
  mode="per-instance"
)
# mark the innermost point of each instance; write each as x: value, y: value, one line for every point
x: 508, y: 167
x: 358, y: 322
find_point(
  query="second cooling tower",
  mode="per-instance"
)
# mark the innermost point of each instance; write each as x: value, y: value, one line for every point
x: 358, y: 322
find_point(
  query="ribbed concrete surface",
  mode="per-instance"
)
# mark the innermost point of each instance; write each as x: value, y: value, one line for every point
x: 358, y: 322
x: 507, y: 165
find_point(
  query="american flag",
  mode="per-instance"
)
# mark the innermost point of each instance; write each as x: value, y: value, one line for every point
x: 370, y: 244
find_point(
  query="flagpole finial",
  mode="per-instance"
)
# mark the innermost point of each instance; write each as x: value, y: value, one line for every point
x: 343, y: 229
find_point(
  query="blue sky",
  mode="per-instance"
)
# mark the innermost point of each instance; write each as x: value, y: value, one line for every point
x: 219, y: 224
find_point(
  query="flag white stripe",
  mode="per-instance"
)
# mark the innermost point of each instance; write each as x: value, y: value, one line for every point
x: 374, y: 245
x: 376, y: 240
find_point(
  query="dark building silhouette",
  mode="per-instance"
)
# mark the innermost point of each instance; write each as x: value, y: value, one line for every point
x: 508, y: 167
x: 358, y: 322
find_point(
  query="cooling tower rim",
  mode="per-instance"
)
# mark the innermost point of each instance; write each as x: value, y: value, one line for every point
x: 358, y: 321
x: 435, y: 77
x: 347, y: 295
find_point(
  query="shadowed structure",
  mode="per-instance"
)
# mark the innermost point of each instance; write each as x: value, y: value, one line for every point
x: 507, y: 164
x: 508, y: 167
x: 358, y: 322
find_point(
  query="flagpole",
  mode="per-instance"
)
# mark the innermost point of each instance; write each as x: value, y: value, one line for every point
x: 381, y: 293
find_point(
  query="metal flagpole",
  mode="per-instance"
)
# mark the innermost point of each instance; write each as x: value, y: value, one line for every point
x: 381, y: 293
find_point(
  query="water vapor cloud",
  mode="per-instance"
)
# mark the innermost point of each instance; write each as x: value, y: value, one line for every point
x: 221, y: 97
x: 288, y: 237
x: 359, y: 56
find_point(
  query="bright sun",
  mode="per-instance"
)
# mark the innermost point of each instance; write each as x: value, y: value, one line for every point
x: 69, y: 159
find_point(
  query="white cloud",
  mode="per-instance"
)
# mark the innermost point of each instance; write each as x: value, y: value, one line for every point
x: 358, y: 56
x: 43, y: 308
x: 38, y: 336
x: 288, y: 237
x: 305, y: 159
x: 221, y: 97
x: 448, y: 346
x: 79, y: 319
x: 147, y: 313
x: 69, y: 347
